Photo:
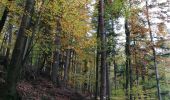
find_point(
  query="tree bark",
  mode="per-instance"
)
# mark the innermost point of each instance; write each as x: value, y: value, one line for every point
x: 128, y: 61
x: 103, y: 51
x: 55, y: 66
x: 15, y: 64
x: 56, y: 56
x: 108, y: 81
x: 9, y: 40
x: 115, y: 73
x: 154, y: 55
x: 97, y: 64
x: 97, y: 75
x: 3, y: 19
x: 66, y: 65
x: 114, y: 53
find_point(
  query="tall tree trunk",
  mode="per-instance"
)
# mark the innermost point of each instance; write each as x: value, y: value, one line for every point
x: 154, y: 55
x: 56, y: 57
x: 15, y: 64
x: 97, y: 64
x: 128, y: 61
x: 4, y: 41
x: 115, y: 73
x: 35, y: 29
x: 9, y: 40
x: 66, y: 66
x: 55, y: 66
x: 85, y: 70
x: 69, y: 66
x: 97, y: 74
x: 108, y: 81
x: 135, y: 63
x: 114, y: 51
x: 56, y: 62
x: 3, y: 19
x: 103, y: 51
x: 10, y: 26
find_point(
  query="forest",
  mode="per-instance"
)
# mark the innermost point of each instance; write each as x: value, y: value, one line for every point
x: 84, y: 49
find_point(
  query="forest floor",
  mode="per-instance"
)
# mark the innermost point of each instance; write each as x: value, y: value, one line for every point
x: 43, y: 89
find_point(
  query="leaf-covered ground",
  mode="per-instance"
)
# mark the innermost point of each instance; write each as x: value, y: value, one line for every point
x: 43, y: 89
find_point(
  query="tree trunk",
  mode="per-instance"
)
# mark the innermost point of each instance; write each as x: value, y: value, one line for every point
x: 9, y: 40
x: 4, y: 41
x: 103, y: 51
x: 97, y: 75
x: 55, y: 66
x: 85, y: 70
x: 3, y: 19
x: 66, y: 65
x: 154, y: 55
x: 15, y: 64
x: 56, y: 56
x: 128, y: 61
x: 97, y: 64
x: 35, y: 29
x: 115, y: 73
x: 108, y: 81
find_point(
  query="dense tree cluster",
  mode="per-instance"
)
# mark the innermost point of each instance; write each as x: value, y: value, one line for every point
x: 111, y: 49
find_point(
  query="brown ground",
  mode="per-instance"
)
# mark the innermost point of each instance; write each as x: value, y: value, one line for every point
x: 43, y: 89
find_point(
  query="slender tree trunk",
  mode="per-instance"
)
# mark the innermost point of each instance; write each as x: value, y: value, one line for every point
x: 56, y: 57
x: 3, y: 19
x: 97, y: 74
x: 9, y: 40
x: 4, y: 41
x: 103, y: 51
x: 115, y: 73
x: 135, y: 61
x: 55, y: 66
x: 97, y: 89
x: 128, y: 61
x: 85, y: 70
x: 30, y: 41
x: 56, y: 62
x: 114, y: 61
x: 15, y: 64
x: 154, y: 55
x: 108, y: 81
x: 66, y: 65
x: 69, y: 65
